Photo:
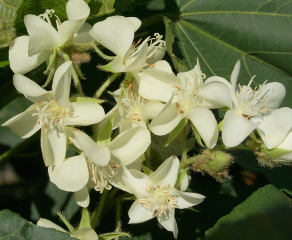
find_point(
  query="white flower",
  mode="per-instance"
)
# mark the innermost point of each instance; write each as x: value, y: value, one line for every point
x: 28, y: 52
x: 103, y: 160
x: 249, y: 109
x: 180, y: 93
x: 286, y: 145
x: 52, y: 112
x: 157, y: 197
x: 82, y: 233
x: 117, y: 34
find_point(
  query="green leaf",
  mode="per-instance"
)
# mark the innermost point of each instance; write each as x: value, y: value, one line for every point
x: 105, y: 133
x: 220, y: 125
x: 69, y: 226
x: 85, y: 220
x: 99, y: 8
x: 258, y: 33
x: 122, y: 6
x: 147, y: 171
x: 180, y: 177
x: 266, y: 214
x: 4, y: 64
x: 85, y: 99
x: 169, y: 39
x: 14, y: 227
x: 8, y: 9
x: 108, y: 236
x: 176, y: 131
x: 197, y: 136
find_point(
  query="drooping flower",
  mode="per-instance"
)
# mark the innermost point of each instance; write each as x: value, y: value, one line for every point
x: 117, y: 34
x: 28, y: 52
x: 82, y: 233
x: 182, y: 101
x: 52, y: 112
x: 250, y: 109
x: 157, y: 196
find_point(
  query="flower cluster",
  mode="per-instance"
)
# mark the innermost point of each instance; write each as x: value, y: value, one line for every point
x: 151, y: 103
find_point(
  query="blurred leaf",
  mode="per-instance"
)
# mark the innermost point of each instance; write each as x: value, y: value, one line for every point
x: 14, y: 227
x: 99, y: 8
x: 147, y: 171
x: 8, y: 9
x: 256, y: 32
x: 266, y: 214
x: 4, y: 64
x: 122, y: 6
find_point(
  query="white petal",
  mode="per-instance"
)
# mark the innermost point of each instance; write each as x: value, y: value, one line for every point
x: 127, y: 123
x: 100, y: 155
x: 150, y: 110
x: 206, y: 124
x: 19, y: 60
x: 158, y: 85
x: 68, y: 29
x: 42, y: 35
x: 163, y: 65
x: 48, y: 224
x: 166, y: 120
x: 155, y: 54
x: 82, y: 36
x: 133, y: 64
x: 136, y: 181
x: 86, y: 233
x: 168, y: 221
x: 217, y: 92
x: 274, y: 127
x: 53, y: 144
x: 138, y: 213
x: 287, y: 143
x: 130, y: 145
x: 27, y: 87
x: 187, y: 199
x: 77, y: 9
x: 61, y: 84
x: 71, y: 175
x: 85, y: 113
x: 82, y: 197
x: 167, y: 172
x: 278, y: 92
x: 236, y: 128
x: 115, y: 33
x: 135, y: 21
x: 235, y: 74
x: 24, y: 124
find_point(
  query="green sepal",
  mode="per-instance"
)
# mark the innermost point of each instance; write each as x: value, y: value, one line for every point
x: 253, y: 137
x: 197, y: 136
x: 85, y: 99
x: 107, y: 68
x: 108, y: 236
x: 85, y: 220
x: 52, y: 61
x: 69, y: 226
x: 104, y: 136
x: 220, y: 126
x: 176, y: 131
x: 147, y: 171
x: 180, y: 177
x: 192, y: 209
x: 131, y: 198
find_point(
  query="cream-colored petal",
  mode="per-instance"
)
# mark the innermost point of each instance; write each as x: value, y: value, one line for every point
x: 82, y: 197
x: 49, y: 224
x: 138, y: 213
x: 86, y: 233
x: 19, y: 60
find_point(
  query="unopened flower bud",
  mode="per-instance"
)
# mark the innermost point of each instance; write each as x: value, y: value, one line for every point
x: 280, y: 155
x: 215, y: 163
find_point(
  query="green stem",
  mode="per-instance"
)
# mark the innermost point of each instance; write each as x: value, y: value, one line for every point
x: 118, y: 218
x: 186, y: 162
x: 106, y: 84
x: 69, y: 226
x: 95, y: 216
x: 24, y: 145
x: 83, y: 47
x: 50, y: 77
x: 78, y: 71
x: 184, y: 149
x: 113, y: 193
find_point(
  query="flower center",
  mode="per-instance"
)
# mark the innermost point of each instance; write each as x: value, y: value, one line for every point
x: 133, y: 105
x: 51, y: 113
x: 251, y: 103
x: 98, y: 174
x: 159, y: 199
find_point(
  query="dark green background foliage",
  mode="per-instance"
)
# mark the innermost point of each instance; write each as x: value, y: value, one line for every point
x: 255, y: 204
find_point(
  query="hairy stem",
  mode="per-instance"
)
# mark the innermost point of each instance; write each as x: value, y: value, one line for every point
x: 95, y: 216
x: 106, y: 84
